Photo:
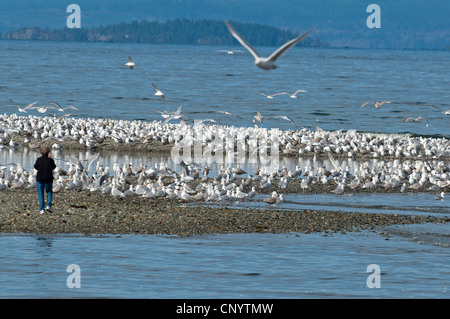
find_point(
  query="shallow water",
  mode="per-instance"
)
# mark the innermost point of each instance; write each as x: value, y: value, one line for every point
x: 222, y: 266
x: 423, y: 204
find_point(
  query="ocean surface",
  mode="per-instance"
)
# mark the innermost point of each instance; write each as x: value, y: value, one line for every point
x: 93, y: 77
x: 226, y: 266
x: 413, y: 259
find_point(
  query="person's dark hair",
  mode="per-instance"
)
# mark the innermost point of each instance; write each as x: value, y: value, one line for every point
x: 45, y: 150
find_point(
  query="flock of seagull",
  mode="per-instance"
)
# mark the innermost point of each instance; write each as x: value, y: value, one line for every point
x: 43, y: 108
x: 429, y: 171
x: 378, y: 105
x: 193, y: 182
x: 291, y: 95
x: 91, y: 133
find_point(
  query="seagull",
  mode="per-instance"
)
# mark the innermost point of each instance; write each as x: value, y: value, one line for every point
x: 130, y: 63
x: 446, y: 112
x: 269, y: 62
x: 159, y: 93
x: 293, y: 95
x: 175, y: 115
x: 252, y: 193
x: 90, y: 160
x: 269, y: 96
x: 65, y: 108
x: 40, y: 109
x: 165, y: 114
x: 287, y: 119
x: 414, y: 119
x: 115, y: 192
x: 258, y: 117
x: 339, y: 190
x: 199, y: 122
x: 377, y: 105
x: 23, y: 110
x: 226, y: 113
x: 439, y: 196
x: 272, y: 199
x: 238, y: 170
x: 230, y: 52
x: 58, y: 186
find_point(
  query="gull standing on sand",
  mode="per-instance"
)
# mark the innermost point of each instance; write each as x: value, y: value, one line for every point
x: 377, y: 105
x: 268, y: 62
x: 130, y: 63
x: 159, y: 93
x: 272, y: 199
x: 339, y: 190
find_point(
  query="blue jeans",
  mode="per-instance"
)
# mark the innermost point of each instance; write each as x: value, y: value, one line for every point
x: 48, y: 187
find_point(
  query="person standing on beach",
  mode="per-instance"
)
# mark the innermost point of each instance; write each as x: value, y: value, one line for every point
x: 44, y: 178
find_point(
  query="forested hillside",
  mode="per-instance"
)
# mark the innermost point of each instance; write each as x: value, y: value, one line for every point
x: 178, y: 31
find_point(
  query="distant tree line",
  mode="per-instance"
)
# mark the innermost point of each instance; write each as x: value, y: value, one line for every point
x: 178, y: 31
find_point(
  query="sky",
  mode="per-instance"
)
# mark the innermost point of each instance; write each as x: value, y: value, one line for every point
x: 403, y: 24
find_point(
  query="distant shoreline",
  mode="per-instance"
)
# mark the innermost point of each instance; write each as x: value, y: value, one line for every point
x: 179, y: 31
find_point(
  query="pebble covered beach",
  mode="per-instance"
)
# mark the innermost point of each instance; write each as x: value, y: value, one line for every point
x: 80, y: 212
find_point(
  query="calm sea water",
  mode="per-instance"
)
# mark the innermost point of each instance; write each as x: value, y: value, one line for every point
x: 414, y: 261
x: 225, y: 266
x: 93, y: 77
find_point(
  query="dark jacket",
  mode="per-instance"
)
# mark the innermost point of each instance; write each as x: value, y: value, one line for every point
x: 44, y: 165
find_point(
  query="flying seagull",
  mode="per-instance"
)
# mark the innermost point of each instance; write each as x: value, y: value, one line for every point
x: 165, y: 114
x: 269, y: 62
x: 23, y: 110
x: 293, y: 95
x: 230, y: 52
x: 175, y: 115
x: 287, y: 119
x: 269, y: 96
x: 61, y: 108
x: 446, y: 112
x: 159, y: 93
x: 226, y: 113
x: 377, y: 105
x: 130, y: 63
x: 414, y: 119
x: 258, y: 117
x: 40, y: 109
